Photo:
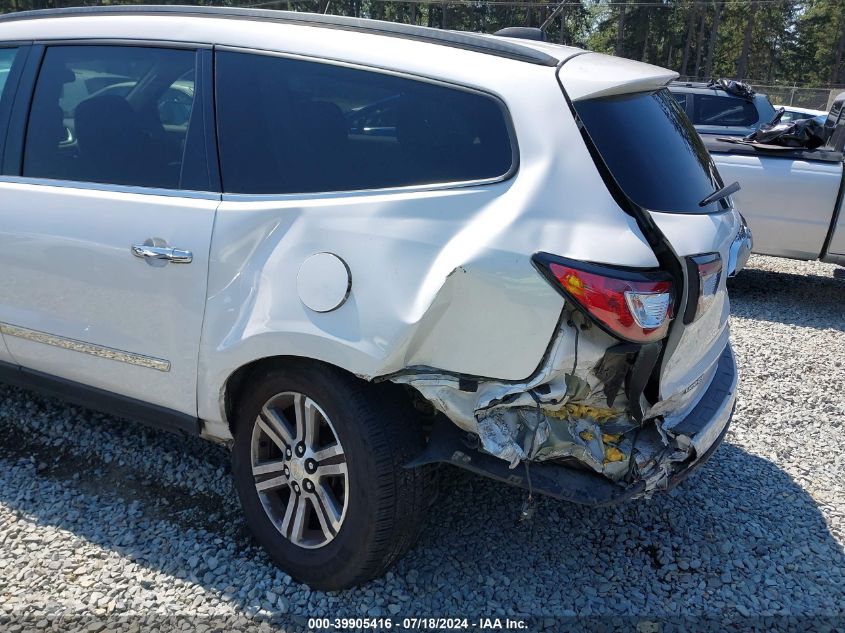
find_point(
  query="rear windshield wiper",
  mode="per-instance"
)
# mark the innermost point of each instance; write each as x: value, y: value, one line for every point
x: 724, y: 192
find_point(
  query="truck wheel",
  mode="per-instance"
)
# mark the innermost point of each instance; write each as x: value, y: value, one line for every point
x: 318, y: 464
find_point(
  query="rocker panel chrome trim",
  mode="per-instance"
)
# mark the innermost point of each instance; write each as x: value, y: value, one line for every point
x: 86, y: 348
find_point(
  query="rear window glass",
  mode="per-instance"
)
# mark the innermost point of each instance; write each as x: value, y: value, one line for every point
x: 652, y: 150
x: 293, y: 126
x: 729, y: 111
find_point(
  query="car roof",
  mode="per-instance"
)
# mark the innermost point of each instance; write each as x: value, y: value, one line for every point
x: 519, y: 50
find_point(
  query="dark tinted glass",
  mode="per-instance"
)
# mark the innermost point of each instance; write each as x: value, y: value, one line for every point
x: 290, y: 126
x: 652, y: 150
x: 111, y: 114
x: 7, y: 56
x: 715, y: 110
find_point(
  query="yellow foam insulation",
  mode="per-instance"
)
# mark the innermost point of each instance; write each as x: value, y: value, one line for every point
x: 613, y: 454
x: 577, y: 411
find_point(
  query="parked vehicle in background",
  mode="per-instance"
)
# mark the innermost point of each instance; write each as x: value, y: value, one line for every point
x: 361, y: 249
x: 792, y: 198
x: 715, y: 110
x: 792, y: 113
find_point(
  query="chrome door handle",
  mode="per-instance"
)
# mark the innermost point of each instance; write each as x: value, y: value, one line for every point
x: 174, y: 255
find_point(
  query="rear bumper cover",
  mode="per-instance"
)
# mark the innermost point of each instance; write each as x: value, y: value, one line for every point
x: 705, y: 427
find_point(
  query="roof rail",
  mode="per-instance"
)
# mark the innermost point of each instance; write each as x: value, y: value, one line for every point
x: 456, y: 39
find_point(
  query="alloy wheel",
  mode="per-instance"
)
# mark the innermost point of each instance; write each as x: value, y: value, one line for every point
x: 300, y: 470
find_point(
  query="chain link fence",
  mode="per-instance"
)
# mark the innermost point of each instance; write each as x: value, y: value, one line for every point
x: 798, y: 96
x: 815, y: 98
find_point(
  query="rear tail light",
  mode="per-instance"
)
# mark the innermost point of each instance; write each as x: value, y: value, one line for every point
x: 704, y: 273
x: 635, y: 306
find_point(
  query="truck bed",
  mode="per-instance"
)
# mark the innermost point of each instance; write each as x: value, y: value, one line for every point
x: 791, y: 198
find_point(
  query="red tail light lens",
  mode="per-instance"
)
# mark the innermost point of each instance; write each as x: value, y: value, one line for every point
x: 633, y: 306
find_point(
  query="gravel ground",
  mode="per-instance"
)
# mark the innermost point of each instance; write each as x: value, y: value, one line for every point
x: 102, y: 517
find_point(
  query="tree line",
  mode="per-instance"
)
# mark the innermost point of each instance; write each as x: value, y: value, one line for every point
x: 796, y: 42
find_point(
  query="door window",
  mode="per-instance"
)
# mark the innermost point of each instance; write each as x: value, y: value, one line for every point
x: 111, y: 114
x: 7, y: 56
x: 291, y: 126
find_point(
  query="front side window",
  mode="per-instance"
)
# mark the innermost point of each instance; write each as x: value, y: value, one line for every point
x: 291, y: 126
x: 715, y: 110
x: 7, y: 56
x: 111, y: 114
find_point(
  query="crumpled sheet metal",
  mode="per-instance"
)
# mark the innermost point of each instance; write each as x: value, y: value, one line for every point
x: 444, y: 392
x: 535, y: 434
x: 657, y: 452
x: 562, y: 412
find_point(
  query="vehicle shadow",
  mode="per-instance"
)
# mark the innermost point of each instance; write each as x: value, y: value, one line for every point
x: 711, y: 546
x: 785, y: 298
x: 712, y: 543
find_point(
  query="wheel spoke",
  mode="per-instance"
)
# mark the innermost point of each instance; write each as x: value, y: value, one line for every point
x: 328, y: 453
x: 331, y: 470
x: 298, y: 520
x: 268, y: 467
x: 271, y: 484
x: 307, y: 421
x: 276, y: 427
x: 327, y: 511
x: 290, y: 510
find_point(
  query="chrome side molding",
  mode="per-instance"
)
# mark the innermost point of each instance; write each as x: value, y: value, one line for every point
x: 86, y: 348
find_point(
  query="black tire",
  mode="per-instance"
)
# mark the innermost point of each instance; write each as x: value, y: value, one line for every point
x: 376, y: 426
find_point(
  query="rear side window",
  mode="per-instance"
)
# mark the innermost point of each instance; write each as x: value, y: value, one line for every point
x: 716, y: 110
x: 652, y: 150
x: 111, y: 114
x: 291, y: 126
x: 7, y: 56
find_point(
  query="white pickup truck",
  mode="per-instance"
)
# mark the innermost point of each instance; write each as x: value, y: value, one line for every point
x: 792, y: 199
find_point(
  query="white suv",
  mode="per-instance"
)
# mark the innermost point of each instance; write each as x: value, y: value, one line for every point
x: 351, y: 250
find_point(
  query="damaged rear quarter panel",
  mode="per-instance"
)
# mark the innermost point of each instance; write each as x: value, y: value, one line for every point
x: 442, y: 277
x: 574, y: 406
